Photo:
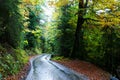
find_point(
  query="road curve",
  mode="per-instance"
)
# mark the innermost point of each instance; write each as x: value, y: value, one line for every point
x: 42, y: 68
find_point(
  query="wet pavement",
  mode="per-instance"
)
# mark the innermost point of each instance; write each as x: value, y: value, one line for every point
x: 42, y: 68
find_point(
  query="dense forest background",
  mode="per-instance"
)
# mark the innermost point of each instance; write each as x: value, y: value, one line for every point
x: 84, y: 29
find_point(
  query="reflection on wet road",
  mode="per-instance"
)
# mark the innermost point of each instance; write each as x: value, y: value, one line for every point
x: 44, y: 69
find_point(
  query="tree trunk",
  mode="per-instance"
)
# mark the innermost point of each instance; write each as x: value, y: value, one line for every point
x: 78, y: 47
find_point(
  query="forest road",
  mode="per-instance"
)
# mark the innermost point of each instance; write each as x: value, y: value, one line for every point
x: 42, y: 68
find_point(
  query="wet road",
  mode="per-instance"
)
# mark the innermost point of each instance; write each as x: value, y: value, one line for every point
x: 42, y: 68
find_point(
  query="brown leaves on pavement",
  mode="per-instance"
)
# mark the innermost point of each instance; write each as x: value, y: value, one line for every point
x: 86, y: 68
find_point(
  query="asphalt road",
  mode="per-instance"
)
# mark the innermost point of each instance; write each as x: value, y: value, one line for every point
x: 42, y: 68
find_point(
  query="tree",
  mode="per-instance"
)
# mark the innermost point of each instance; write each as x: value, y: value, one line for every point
x: 78, y: 48
x: 11, y: 23
x: 106, y: 21
x: 33, y: 30
x: 64, y: 23
x: 109, y: 21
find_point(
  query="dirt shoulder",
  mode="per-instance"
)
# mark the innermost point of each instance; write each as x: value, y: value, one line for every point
x: 86, y: 68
